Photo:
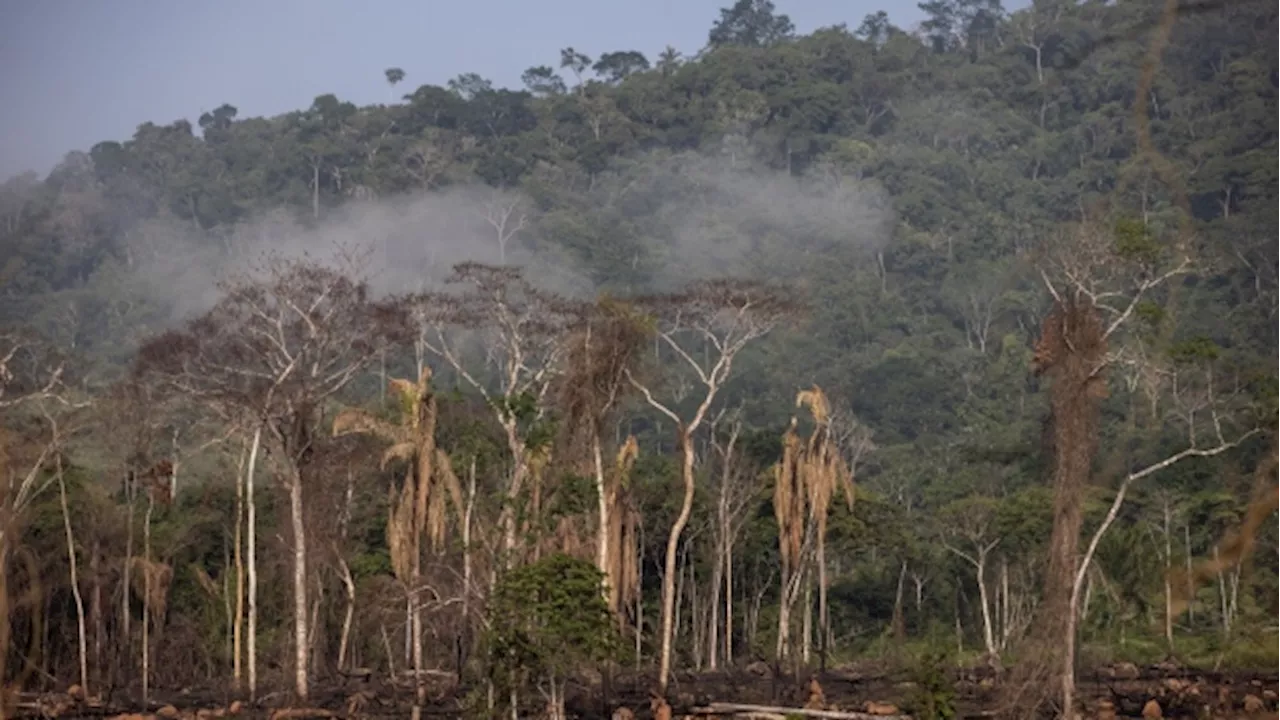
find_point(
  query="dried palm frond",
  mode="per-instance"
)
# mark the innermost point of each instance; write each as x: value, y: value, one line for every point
x: 206, y: 582
x: 400, y: 533
x: 789, y: 498
x: 151, y: 581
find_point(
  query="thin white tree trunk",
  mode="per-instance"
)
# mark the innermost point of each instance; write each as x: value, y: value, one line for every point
x: 807, y: 621
x: 146, y: 600
x: 824, y: 622
x: 251, y: 548
x: 713, y: 619
x: 348, y: 583
x: 988, y: 635
x: 602, y: 507
x: 237, y: 628
x: 1168, y: 581
x: 1191, y: 588
x: 669, y: 576
x: 125, y: 614
x: 75, y: 577
x: 300, y: 606
x: 728, y: 605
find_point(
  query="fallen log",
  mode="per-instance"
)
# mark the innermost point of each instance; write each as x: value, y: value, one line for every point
x: 739, y: 709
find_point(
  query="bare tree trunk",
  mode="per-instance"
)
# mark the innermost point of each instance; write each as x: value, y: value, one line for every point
x: 75, y: 579
x: 640, y: 597
x: 300, y: 605
x: 988, y: 636
x: 146, y: 600
x: 251, y: 548
x: 697, y: 626
x: 126, y: 633
x: 1191, y: 587
x: 680, y: 584
x: 1168, y: 581
x: 228, y: 607
x: 1222, y: 595
x: 467, y: 569
x: 349, y: 584
x: 95, y: 608
x: 713, y: 614
x: 237, y: 627
x: 824, y: 621
x: 1006, y: 613
x: 806, y: 642
x: 899, y: 615
x: 4, y: 604
x: 602, y: 502
x: 728, y: 604
x: 669, y: 577
x: 784, y: 616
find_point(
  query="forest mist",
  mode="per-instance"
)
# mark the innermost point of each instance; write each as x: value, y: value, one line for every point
x: 721, y: 220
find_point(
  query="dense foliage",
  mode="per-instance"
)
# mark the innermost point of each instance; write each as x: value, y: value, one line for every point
x: 911, y: 187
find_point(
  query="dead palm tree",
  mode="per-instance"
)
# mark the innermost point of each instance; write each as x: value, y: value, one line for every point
x: 808, y: 476
x: 418, y: 509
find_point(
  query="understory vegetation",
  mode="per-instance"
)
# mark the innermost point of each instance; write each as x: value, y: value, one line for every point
x: 862, y: 344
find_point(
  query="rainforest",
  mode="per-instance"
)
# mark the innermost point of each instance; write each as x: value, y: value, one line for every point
x: 875, y: 371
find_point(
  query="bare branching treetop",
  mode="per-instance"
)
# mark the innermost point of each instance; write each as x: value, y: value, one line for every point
x: 1112, y: 266
x: 29, y: 368
x: 724, y: 313
x: 520, y: 326
x: 276, y: 345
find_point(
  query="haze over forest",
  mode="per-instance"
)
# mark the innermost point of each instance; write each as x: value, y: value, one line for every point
x: 910, y: 350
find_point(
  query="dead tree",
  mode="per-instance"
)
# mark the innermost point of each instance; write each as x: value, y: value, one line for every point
x: 31, y: 376
x: 704, y: 328
x: 1103, y: 279
x: 276, y: 349
x: 809, y: 475
x: 607, y: 338
x: 418, y: 511
x: 518, y: 329
x: 969, y: 533
x: 736, y: 485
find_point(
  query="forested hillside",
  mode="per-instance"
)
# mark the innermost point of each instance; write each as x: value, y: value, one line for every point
x: 803, y: 348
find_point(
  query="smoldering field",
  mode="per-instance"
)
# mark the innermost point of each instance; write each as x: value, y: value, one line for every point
x: 659, y: 223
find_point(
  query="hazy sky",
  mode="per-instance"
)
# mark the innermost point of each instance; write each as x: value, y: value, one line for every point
x: 76, y: 72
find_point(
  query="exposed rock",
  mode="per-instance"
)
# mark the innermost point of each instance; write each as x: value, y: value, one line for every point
x: 1152, y: 711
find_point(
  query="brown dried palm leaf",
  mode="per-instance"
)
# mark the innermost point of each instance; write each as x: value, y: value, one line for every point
x: 400, y: 531
x: 626, y: 459
x: 789, y: 499
x: 352, y: 420
x: 816, y: 401
x: 449, y: 479
x: 206, y: 582
x: 151, y: 581
x: 402, y: 451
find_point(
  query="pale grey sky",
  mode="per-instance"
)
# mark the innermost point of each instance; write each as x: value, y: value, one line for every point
x: 76, y: 72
